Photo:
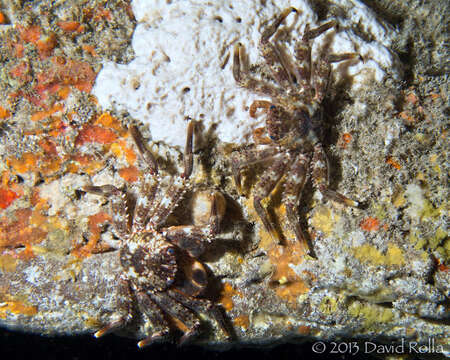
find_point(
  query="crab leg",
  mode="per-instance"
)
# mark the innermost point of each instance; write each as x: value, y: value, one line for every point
x: 160, y: 326
x: 320, y: 177
x: 144, y: 202
x: 264, y: 187
x: 272, y: 54
x: 176, y: 189
x: 188, y: 155
x: 322, y: 72
x: 202, y: 306
x: 293, y: 187
x: 267, y: 34
x: 313, y: 33
x: 145, y: 153
x: 302, y: 53
x: 240, y: 160
x: 123, y: 303
x: 187, y: 321
x: 243, y: 78
x: 258, y: 104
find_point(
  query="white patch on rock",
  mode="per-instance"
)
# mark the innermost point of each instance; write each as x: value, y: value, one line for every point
x: 34, y: 275
x: 416, y: 200
x: 181, y: 48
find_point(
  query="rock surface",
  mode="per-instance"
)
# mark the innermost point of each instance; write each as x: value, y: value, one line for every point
x: 378, y: 273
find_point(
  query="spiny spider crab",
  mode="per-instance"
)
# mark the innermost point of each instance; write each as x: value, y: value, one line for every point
x: 292, y: 148
x: 160, y: 271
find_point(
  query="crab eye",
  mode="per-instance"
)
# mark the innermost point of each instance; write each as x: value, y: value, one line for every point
x: 171, y: 251
x: 272, y: 107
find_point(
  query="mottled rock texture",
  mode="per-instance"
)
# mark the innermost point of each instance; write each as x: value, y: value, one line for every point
x: 379, y: 272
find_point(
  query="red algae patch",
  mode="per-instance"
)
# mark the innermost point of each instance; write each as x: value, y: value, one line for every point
x: 370, y: 224
x: 70, y: 26
x: 227, y: 293
x: 95, y: 226
x: 7, y: 197
x: 21, y: 232
x: 4, y: 113
x: 130, y: 174
x: 93, y: 133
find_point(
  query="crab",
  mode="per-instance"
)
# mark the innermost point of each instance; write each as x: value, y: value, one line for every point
x: 160, y: 271
x: 292, y: 148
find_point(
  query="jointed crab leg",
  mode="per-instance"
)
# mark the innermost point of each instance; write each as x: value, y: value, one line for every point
x: 272, y: 55
x: 145, y: 202
x: 172, y: 197
x: 202, y: 306
x: 145, y: 153
x: 264, y: 187
x: 258, y: 104
x: 322, y: 71
x: 243, y: 78
x: 250, y: 157
x: 267, y: 34
x: 160, y: 327
x: 320, y: 178
x: 187, y: 320
x: 293, y: 187
x: 123, y: 303
x: 188, y: 156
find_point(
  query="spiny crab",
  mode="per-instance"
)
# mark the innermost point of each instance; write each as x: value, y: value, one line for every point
x: 292, y: 149
x: 160, y: 273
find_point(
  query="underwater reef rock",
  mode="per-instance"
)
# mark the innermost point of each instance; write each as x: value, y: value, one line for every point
x: 378, y: 272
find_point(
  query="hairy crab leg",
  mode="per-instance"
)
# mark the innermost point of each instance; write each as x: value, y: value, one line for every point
x: 124, y: 305
x: 203, y: 306
x: 243, y: 78
x: 272, y: 55
x: 154, y: 313
x: 187, y: 321
x: 242, y: 159
x: 176, y: 189
x: 302, y: 69
x: 144, y: 203
x: 322, y: 70
x: 313, y: 33
x: 118, y: 203
x: 320, y: 178
x: 264, y: 187
x: 293, y: 186
x: 149, y: 185
x: 188, y: 154
x: 302, y: 53
x: 145, y: 153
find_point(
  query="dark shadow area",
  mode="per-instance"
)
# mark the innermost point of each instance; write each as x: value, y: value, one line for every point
x: 16, y: 345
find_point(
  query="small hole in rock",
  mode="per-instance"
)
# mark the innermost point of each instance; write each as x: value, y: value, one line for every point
x: 218, y: 18
x: 186, y: 90
x: 79, y: 193
x: 238, y: 20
